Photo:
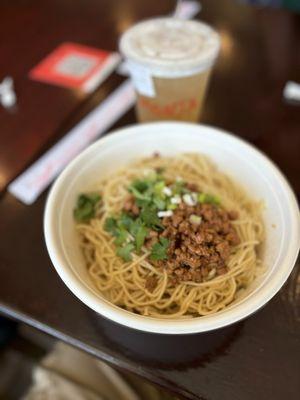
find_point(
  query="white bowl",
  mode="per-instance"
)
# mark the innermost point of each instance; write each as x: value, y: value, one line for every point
x: 241, y: 161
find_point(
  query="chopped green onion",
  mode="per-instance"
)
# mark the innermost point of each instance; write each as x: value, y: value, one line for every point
x: 159, y: 187
x: 171, y: 206
x: 208, y: 198
x: 201, y: 198
x: 167, y: 191
x: 176, y: 199
x: 189, y: 200
x: 195, y: 219
x: 162, y: 214
x: 213, y: 199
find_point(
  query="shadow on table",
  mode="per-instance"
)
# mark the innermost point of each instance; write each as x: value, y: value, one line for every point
x: 168, y: 351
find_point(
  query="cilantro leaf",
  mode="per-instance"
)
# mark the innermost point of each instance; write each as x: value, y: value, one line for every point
x: 141, y: 185
x: 159, y: 250
x: 139, y: 231
x: 125, y: 252
x: 119, y: 227
x: 86, y: 206
x: 149, y: 216
x: 142, y: 203
x: 138, y: 195
x: 121, y: 236
x: 94, y: 198
x: 159, y: 203
x: 84, y: 213
x: 125, y: 221
x: 134, y: 226
x: 125, y: 224
x: 164, y: 241
x: 140, y: 237
x: 110, y: 225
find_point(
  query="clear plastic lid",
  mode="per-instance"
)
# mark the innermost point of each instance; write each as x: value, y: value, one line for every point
x: 169, y: 46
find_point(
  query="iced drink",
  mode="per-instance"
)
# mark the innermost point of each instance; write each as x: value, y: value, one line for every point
x: 170, y: 61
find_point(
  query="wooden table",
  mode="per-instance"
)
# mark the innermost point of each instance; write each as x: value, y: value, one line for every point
x: 258, y: 358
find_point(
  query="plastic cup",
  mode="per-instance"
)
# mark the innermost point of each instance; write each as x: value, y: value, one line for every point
x: 170, y: 63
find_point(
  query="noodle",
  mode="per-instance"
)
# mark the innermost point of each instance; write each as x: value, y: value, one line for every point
x: 124, y: 283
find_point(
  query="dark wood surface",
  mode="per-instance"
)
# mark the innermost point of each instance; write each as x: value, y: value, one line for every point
x: 29, y: 31
x: 258, y: 358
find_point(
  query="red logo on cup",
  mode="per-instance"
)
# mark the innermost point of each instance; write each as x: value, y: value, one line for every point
x: 173, y: 109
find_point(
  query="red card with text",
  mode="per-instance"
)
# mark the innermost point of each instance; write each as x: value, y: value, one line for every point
x: 76, y: 66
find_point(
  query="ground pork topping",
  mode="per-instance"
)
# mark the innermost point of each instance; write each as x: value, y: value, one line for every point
x: 200, y: 241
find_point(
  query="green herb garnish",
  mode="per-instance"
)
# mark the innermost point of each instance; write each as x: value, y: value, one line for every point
x: 141, y: 185
x: 125, y: 229
x: 159, y: 187
x: 142, y: 203
x: 140, y: 237
x: 178, y: 188
x: 151, y: 195
x: 110, y: 225
x: 139, y: 195
x: 86, y: 206
x: 121, y: 236
x: 125, y: 221
x: 208, y: 198
x: 149, y: 216
x: 171, y: 206
x: 130, y: 232
x: 159, y: 250
x: 125, y: 252
x: 159, y: 203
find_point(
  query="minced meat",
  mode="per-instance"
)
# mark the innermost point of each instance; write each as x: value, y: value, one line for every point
x: 151, y: 283
x: 199, y: 247
x: 201, y: 238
